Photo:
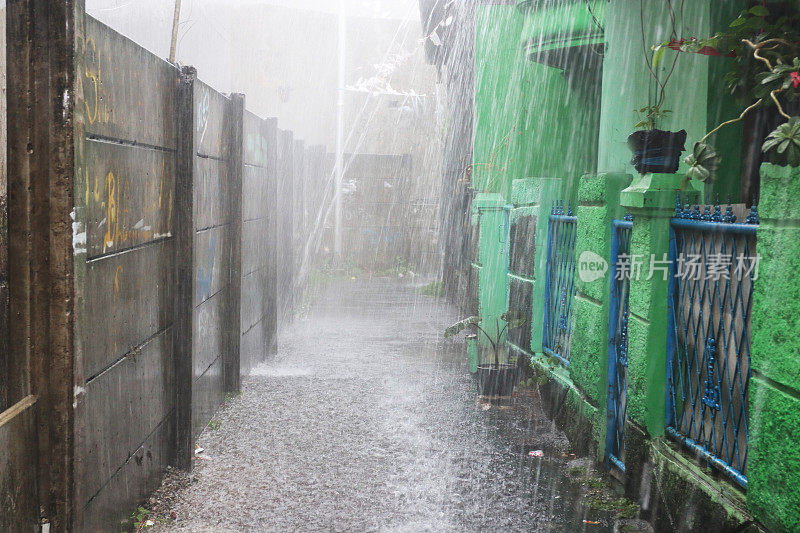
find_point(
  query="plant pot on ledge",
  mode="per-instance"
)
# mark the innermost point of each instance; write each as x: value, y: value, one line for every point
x: 496, y: 380
x: 656, y: 151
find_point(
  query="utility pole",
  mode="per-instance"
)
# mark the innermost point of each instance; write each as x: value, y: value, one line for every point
x: 337, y: 195
x: 174, y: 43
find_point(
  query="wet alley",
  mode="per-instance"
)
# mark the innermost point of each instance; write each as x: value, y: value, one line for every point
x: 367, y: 421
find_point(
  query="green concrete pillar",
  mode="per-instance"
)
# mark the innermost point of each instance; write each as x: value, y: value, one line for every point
x: 598, y: 205
x: 773, y: 461
x: 493, y: 257
x: 651, y: 200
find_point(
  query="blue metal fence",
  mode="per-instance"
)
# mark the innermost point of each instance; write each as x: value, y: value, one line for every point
x: 713, y: 268
x: 559, y: 282
x: 617, y: 401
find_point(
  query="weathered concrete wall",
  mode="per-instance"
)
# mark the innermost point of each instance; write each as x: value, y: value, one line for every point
x: 213, y: 243
x: 259, y: 231
x: 144, y: 260
x: 285, y: 212
x: 18, y: 491
x: 125, y: 182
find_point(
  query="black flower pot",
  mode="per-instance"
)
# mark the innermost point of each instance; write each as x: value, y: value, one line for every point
x: 496, y: 381
x: 656, y: 150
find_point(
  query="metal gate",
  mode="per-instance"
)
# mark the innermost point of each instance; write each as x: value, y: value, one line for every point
x: 619, y: 311
x: 714, y: 266
x: 559, y: 282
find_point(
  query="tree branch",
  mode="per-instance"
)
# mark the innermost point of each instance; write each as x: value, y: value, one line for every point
x: 731, y: 121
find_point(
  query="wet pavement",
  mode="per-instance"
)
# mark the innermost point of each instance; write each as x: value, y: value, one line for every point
x: 367, y: 420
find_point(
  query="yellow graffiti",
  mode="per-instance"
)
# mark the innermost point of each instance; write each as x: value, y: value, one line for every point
x: 119, y: 271
x: 96, y: 190
x: 112, y: 231
x: 97, y: 106
x: 95, y: 77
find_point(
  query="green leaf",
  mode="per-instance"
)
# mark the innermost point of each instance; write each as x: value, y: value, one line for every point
x: 738, y: 22
x: 783, y: 146
x: 759, y: 11
x: 658, y: 55
x: 460, y: 326
x: 769, y: 144
x: 514, y: 319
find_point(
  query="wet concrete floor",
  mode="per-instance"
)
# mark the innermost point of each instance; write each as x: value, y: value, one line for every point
x: 367, y: 420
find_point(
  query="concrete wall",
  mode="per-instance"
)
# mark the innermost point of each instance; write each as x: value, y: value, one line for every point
x: 125, y: 259
x: 154, y: 217
x: 259, y: 230
x: 18, y: 479
x: 773, y: 464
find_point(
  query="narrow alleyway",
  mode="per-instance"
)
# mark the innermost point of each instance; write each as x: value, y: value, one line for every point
x: 368, y: 421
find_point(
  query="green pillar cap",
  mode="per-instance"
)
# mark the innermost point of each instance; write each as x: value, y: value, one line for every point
x: 656, y: 191
x: 488, y: 200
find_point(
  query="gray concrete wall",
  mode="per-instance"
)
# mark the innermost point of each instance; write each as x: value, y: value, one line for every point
x: 125, y: 184
x: 259, y: 230
x: 144, y: 247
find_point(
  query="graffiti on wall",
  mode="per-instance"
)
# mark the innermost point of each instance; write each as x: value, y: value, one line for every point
x: 205, y: 272
x: 382, y: 235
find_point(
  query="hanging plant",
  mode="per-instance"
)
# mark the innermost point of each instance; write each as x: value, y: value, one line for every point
x: 703, y: 162
x: 782, y: 78
x: 783, y: 144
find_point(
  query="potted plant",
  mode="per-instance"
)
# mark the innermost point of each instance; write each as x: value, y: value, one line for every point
x: 655, y: 150
x: 494, y: 379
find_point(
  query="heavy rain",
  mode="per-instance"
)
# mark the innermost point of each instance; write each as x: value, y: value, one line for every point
x: 400, y: 265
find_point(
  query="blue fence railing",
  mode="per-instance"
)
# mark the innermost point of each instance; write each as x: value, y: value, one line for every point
x: 559, y: 282
x: 617, y: 401
x: 713, y: 268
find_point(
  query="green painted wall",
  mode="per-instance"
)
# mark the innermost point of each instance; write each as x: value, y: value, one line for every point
x: 773, y: 463
x: 695, y: 92
x: 530, y: 121
x: 598, y: 205
x: 536, y: 132
x: 493, y: 256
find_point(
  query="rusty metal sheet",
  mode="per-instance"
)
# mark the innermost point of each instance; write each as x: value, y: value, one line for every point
x: 211, y: 206
x: 19, y: 500
x: 208, y: 332
x: 209, y: 112
x: 207, y: 394
x: 255, y: 149
x: 134, y: 481
x: 131, y: 300
x: 128, y: 93
x: 255, y: 193
x: 123, y: 405
x: 211, y: 262
x: 129, y: 197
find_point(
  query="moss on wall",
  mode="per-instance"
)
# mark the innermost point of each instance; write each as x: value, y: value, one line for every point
x: 773, y: 462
